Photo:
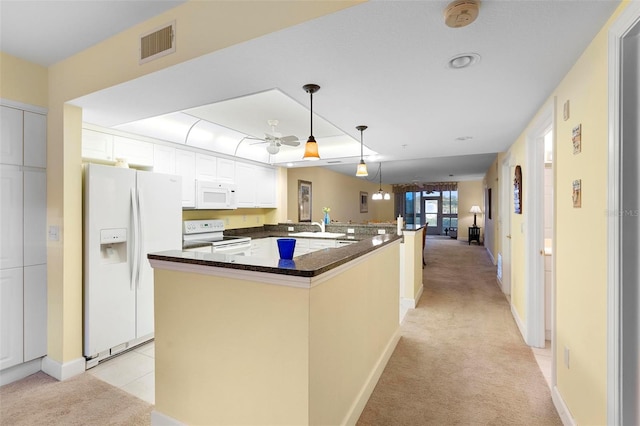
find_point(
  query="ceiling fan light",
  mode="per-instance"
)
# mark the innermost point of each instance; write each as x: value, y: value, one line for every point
x: 311, y: 150
x: 273, y: 149
x: 362, y: 169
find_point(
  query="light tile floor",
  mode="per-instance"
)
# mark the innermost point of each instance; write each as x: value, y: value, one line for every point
x: 132, y: 371
x: 544, y: 360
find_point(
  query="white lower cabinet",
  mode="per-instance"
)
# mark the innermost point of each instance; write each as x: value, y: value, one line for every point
x: 264, y: 247
x: 35, y: 312
x: 11, y: 317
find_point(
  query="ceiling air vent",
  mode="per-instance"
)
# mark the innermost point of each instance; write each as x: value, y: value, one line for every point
x: 158, y: 42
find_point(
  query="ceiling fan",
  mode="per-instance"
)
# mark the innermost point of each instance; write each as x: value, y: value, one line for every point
x: 275, y: 140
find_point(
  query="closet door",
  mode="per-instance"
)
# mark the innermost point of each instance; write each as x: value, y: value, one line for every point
x: 11, y: 302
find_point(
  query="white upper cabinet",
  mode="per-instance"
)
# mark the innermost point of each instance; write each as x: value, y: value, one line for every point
x: 35, y: 217
x: 206, y: 167
x: 255, y: 185
x: 266, y: 184
x: 226, y: 169
x: 133, y: 151
x: 185, y: 167
x: 35, y: 140
x: 97, y: 145
x: 11, y: 193
x: 245, y: 185
x: 164, y: 159
x: 11, y: 124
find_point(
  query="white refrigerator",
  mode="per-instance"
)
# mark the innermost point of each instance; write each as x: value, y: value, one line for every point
x: 127, y: 214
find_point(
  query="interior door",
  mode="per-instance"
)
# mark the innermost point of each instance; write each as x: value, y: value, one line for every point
x: 506, y: 205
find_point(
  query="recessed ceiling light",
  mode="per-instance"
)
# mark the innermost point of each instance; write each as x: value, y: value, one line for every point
x: 289, y: 164
x: 464, y: 138
x: 463, y: 60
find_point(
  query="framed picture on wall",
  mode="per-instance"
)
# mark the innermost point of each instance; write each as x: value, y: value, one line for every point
x: 364, y: 203
x: 304, y: 201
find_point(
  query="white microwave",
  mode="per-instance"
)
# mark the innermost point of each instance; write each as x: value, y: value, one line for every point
x: 215, y: 195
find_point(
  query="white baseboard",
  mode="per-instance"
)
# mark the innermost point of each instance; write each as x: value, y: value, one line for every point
x: 64, y: 371
x: 521, y: 326
x: 159, y: 419
x: 493, y: 260
x: 358, y: 405
x: 409, y: 303
x: 20, y: 371
x: 561, y: 407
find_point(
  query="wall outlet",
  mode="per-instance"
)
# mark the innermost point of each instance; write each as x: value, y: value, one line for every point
x: 566, y: 356
x: 289, y: 228
x: 54, y: 233
x: 350, y: 231
x: 381, y: 232
x: 226, y: 221
x: 244, y: 218
x: 257, y: 219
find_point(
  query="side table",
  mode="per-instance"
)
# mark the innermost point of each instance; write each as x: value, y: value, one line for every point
x: 474, y: 234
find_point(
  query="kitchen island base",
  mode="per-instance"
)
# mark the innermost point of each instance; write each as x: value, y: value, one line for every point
x: 244, y: 351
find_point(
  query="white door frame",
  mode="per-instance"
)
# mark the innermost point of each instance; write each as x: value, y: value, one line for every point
x: 533, y: 202
x: 505, y: 223
x: 616, y: 410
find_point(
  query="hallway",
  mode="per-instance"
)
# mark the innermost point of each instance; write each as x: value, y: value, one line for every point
x: 461, y: 359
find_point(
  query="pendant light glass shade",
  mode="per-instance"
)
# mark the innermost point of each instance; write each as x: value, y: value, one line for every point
x: 380, y: 195
x: 361, y: 171
x: 311, y: 147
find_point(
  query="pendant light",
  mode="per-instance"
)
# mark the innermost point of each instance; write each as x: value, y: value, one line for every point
x: 362, y: 167
x: 311, y: 147
x: 380, y: 194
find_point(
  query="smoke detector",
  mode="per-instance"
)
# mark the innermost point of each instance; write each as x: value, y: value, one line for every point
x: 461, y: 13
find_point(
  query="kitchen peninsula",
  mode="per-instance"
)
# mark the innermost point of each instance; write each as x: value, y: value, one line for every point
x: 270, y: 342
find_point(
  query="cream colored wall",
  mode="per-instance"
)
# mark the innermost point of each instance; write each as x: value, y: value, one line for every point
x: 23, y: 81
x: 580, y: 235
x: 230, y: 351
x: 203, y: 27
x: 353, y: 317
x: 339, y: 192
x: 469, y: 193
x: 412, y: 264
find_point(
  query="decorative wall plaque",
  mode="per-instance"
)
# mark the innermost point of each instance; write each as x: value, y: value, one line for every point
x: 576, y: 138
x: 577, y: 193
x: 517, y: 191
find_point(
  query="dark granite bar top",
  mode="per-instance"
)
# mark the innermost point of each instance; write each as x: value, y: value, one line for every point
x: 307, y: 265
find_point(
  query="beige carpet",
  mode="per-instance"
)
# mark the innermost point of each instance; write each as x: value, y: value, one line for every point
x: 461, y: 359
x: 81, y: 400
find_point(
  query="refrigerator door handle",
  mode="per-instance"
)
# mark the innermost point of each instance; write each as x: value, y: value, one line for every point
x: 134, y: 248
x: 140, y: 238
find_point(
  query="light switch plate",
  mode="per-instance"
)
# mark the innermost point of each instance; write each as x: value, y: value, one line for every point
x: 381, y: 232
x: 350, y: 231
x: 54, y: 233
x: 289, y: 228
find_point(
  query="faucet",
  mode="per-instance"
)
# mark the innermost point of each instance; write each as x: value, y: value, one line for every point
x: 321, y: 225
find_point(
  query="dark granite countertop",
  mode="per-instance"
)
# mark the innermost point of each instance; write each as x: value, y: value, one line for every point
x: 307, y: 265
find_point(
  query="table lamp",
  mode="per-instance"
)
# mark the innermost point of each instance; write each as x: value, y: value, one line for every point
x: 475, y: 210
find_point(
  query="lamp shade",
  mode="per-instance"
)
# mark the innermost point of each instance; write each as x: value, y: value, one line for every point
x: 311, y: 150
x: 475, y: 210
x: 362, y: 169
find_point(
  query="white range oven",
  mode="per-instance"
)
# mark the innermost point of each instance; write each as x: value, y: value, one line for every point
x: 211, y: 232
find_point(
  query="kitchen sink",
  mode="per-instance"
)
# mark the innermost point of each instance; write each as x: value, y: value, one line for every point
x: 317, y: 234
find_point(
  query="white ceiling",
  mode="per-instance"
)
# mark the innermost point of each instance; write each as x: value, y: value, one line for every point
x: 382, y: 64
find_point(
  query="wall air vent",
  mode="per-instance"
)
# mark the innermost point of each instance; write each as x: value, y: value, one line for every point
x: 158, y: 42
